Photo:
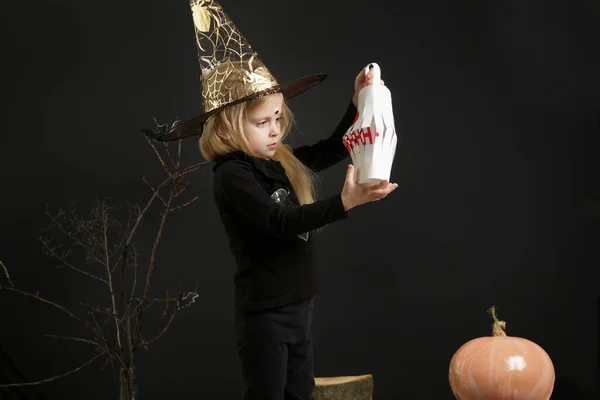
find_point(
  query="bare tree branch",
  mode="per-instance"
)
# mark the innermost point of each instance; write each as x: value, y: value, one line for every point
x: 125, y: 232
x: 135, y: 268
x: 162, y: 162
x: 79, y: 228
x: 51, y: 251
x: 179, y: 207
x: 110, y: 282
x: 151, y: 267
x: 108, y: 241
x: 179, y: 306
x: 12, y: 285
x: 75, y: 339
x: 146, y: 343
x: 155, y: 191
x: 152, y: 302
x: 166, y: 148
x: 109, y: 348
x: 185, y: 185
x: 166, y: 308
x: 179, y: 146
x: 83, y: 322
x: 107, y: 311
x: 183, y: 172
x: 179, y: 192
x: 54, y: 377
x: 127, y: 302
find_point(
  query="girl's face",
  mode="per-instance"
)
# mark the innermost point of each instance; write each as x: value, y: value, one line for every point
x: 262, y: 126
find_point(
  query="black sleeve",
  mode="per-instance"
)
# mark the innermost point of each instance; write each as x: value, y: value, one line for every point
x: 330, y: 151
x: 236, y: 183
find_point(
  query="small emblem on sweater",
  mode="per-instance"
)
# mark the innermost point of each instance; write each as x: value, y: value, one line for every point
x: 282, y: 197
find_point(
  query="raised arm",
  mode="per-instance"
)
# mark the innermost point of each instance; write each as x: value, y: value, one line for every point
x: 236, y: 183
x: 329, y: 151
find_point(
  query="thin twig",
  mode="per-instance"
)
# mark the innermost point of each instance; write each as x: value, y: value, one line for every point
x: 108, y: 311
x: 135, y: 269
x: 151, y: 268
x: 73, y: 237
x: 99, y: 328
x: 76, y: 339
x: 173, y: 163
x: 54, y: 377
x: 163, y: 299
x: 187, y: 203
x: 12, y: 285
x: 190, y: 169
x: 110, y: 284
x: 166, y: 307
x: 124, y: 236
x: 127, y: 306
x: 67, y: 264
x: 146, y: 343
x: 109, y: 347
x: 179, y: 192
x: 163, y: 183
x: 162, y: 162
x: 148, y: 304
x: 86, y: 324
x: 179, y: 147
x: 184, y: 184
x: 155, y: 191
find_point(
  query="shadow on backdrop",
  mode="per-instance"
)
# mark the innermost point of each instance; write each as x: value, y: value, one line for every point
x: 10, y: 374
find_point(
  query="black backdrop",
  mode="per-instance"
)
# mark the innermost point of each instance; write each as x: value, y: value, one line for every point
x: 497, y: 106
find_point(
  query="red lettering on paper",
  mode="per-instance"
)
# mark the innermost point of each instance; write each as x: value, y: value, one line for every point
x: 347, y: 143
x: 358, y: 137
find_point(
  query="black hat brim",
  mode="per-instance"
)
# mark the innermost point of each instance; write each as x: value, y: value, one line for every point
x: 194, y: 126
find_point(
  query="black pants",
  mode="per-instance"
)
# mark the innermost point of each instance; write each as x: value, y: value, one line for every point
x: 276, y: 352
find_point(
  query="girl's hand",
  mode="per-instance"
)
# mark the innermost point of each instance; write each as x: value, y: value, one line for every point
x: 361, y: 81
x: 355, y: 194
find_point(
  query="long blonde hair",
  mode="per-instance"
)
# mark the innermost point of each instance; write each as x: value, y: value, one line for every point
x: 231, y: 120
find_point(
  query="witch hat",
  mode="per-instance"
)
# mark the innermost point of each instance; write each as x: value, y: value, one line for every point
x: 231, y: 71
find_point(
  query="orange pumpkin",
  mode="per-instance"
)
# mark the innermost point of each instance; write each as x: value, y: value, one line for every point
x: 501, y: 367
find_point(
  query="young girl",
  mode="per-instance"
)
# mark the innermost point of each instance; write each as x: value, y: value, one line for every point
x: 264, y: 193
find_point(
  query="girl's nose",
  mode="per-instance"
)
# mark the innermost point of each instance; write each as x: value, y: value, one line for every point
x: 275, y: 130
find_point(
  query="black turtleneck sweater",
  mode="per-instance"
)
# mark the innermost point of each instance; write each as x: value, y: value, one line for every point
x: 270, y: 235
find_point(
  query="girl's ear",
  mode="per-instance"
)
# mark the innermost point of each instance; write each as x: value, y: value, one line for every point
x: 224, y: 135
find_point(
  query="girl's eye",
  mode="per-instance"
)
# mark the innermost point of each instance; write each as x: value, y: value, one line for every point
x: 262, y: 123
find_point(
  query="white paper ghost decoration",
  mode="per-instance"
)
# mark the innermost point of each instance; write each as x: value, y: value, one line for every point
x: 371, y: 140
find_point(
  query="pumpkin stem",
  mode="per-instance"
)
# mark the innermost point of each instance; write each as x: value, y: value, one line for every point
x: 499, y: 326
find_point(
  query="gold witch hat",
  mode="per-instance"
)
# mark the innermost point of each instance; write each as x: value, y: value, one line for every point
x: 231, y: 70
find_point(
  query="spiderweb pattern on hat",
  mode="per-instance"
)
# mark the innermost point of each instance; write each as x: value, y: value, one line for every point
x: 230, y: 67
x: 231, y: 71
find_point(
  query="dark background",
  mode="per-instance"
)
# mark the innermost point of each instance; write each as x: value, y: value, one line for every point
x: 496, y: 103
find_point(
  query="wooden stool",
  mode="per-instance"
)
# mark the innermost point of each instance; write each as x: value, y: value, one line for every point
x: 344, y: 388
